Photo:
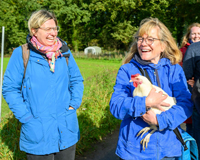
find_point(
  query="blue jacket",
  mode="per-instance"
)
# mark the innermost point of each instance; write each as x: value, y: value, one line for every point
x: 163, y: 143
x: 42, y: 106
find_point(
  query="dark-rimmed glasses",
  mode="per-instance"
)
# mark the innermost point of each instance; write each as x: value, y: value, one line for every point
x: 148, y: 40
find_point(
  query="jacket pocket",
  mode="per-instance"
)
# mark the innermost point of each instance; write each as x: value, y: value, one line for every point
x: 32, y: 131
x: 72, y: 121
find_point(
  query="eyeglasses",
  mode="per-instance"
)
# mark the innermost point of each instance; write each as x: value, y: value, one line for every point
x: 148, y: 40
x: 49, y: 29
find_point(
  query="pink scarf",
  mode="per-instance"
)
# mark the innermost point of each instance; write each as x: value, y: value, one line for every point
x: 52, y: 52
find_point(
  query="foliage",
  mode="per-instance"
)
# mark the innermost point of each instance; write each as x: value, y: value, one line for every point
x: 109, y: 23
x: 95, y: 119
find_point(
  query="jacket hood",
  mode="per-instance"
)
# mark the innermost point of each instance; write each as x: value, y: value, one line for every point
x: 64, y: 47
x: 144, y: 64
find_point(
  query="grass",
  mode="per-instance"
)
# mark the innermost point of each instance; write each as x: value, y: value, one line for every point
x: 95, y: 119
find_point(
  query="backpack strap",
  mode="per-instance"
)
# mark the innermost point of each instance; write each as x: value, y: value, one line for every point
x: 144, y: 73
x: 66, y: 57
x: 25, y: 56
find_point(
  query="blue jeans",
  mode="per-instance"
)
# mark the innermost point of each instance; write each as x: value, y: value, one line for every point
x: 196, y: 127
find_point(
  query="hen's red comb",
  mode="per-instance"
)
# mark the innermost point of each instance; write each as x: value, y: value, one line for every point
x: 135, y: 75
x: 132, y: 78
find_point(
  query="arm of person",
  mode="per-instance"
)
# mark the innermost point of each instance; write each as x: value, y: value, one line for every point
x: 75, y: 83
x: 122, y: 103
x: 183, y: 109
x: 191, y: 82
x: 11, y: 88
x: 189, y: 63
x: 154, y: 100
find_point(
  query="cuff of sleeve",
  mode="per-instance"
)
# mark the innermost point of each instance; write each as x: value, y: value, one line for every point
x: 27, y: 117
x: 161, y: 123
x: 140, y: 106
x: 72, y: 105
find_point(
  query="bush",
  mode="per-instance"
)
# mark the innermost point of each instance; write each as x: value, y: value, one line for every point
x: 94, y: 115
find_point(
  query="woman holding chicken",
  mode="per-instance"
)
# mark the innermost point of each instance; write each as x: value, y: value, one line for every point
x: 155, y: 51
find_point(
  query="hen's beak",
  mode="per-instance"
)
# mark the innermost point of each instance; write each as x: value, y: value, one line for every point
x: 131, y: 80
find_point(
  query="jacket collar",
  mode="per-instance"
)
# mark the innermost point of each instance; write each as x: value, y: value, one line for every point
x: 64, y: 47
x: 144, y: 64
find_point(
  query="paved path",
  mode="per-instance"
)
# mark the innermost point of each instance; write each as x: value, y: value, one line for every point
x: 105, y: 150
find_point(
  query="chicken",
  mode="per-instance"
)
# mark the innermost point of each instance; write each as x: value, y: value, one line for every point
x: 143, y: 89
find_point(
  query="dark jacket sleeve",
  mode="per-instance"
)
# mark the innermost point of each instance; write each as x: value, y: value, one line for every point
x: 189, y: 62
x: 196, y: 95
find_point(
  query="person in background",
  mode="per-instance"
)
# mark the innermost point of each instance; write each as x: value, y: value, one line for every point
x: 192, y: 35
x: 155, y: 50
x: 46, y: 100
x: 191, y: 67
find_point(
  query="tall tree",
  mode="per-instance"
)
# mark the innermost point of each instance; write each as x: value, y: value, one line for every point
x: 13, y: 15
x: 71, y: 15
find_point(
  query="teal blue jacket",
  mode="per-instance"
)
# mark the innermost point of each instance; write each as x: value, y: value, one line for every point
x: 42, y: 106
x: 163, y: 143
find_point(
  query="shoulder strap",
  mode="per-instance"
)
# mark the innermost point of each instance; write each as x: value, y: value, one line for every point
x: 25, y: 56
x: 144, y: 73
x: 66, y: 57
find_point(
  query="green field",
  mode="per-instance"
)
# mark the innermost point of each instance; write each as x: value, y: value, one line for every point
x: 95, y: 120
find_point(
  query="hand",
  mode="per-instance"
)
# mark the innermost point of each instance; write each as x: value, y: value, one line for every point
x: 70, y: 108
x: 191, y: 82
x: 155, y: 100
x: 150, y: 118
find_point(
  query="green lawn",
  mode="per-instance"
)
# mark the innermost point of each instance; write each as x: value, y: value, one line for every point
x: 90, y: 67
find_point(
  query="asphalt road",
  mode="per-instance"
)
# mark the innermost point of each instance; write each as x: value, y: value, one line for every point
x: 105, y: 150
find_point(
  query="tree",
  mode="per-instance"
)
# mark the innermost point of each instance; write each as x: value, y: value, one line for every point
x: 13, y: 15
x: 72, y: 15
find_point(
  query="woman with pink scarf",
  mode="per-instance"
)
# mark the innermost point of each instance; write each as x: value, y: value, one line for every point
x: 46, y: 99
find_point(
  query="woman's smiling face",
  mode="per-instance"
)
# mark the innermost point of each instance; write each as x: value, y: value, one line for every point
x: 195, y: 34
x: 150, y: 53
x: 46, y: 38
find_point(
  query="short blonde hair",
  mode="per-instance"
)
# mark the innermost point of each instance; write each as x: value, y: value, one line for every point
x: 171, y: 51
x: 38, y: 18
x: 186, y: 36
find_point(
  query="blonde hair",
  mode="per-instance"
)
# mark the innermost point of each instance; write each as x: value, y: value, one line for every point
x: 186, y: 36
x: 171, y: 51
x: 38, y: 18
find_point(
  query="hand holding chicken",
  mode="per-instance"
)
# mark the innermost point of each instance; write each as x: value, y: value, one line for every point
x: 156, y: 99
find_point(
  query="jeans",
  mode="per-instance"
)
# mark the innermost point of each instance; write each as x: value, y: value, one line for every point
x: 67, y: 154
x: 196, y: 127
